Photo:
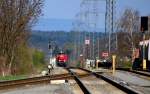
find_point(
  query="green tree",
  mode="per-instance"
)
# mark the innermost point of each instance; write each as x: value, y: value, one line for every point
x: 16, y: 19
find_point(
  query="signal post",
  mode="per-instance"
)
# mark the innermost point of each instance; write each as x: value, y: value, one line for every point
x: 144, y: 28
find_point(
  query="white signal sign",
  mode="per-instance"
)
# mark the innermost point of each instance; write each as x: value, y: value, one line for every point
x: 87, y: 41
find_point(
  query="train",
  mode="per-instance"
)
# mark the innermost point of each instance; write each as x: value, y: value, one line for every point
x: 105, y: 63
x: 138, y: 55
x: 61, y: 59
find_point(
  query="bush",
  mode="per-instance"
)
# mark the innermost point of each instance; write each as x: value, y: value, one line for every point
x: 23, y: 61
x: 38, y: 58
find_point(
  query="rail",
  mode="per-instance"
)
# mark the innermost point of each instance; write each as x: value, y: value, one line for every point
x: 118, y: 85
x: 79, y: 82
x: 32, y: 81
x: 140, y: 72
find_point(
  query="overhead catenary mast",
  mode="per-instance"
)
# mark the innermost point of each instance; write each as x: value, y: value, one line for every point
x: 87, y: 24
x: 91, y: 10
x: 110, y: 31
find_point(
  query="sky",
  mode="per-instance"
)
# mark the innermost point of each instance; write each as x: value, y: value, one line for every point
x: 61, y: 9
x: 67, y: 9
x: 62, y: 12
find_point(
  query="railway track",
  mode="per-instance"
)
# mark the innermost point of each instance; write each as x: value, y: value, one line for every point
x: 118, y: 85
x: 79, y: 82
x: 36, y: 80
x: 32, y: 81
x: 78, y: 76
x: 140, y: 72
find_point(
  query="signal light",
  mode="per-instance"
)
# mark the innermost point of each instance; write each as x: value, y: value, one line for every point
x: 49, y: 46
x: 144, y: 23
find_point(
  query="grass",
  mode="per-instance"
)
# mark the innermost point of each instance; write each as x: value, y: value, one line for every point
x: 125, y: 64
x: 7, y: 78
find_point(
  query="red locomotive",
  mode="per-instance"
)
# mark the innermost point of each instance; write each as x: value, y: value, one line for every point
x: 62, y: 59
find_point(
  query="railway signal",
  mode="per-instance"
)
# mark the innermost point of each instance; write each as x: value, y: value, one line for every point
x: 50, y: 67
x: 49, y: 45
x: 144, y: 28
x: 144, y: 23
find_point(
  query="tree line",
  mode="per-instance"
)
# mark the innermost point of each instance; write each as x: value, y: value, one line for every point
x: 16, y: 20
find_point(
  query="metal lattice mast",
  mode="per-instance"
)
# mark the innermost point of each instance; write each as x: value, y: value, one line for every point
x: 110, y: 25
x: 77, y: 30
x: 91, y: 12
x: 87, y: 21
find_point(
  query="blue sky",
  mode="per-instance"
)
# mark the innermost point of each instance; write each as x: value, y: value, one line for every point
x: 61, y: 9
x: 65, y: 10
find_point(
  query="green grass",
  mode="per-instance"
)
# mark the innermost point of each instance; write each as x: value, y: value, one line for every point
x: 6, y: 78
x: 125, y: 64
